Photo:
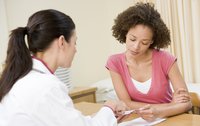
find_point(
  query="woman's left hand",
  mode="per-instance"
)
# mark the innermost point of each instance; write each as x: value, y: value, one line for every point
x: 181, y: 95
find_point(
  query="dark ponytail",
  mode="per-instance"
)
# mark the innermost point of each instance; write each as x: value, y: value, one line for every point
x: 18, y: 61
x: 42, y: 28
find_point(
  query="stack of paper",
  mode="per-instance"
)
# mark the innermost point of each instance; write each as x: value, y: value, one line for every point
x: 141, y: 122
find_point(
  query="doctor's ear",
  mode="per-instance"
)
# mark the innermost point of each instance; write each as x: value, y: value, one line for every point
x: 61, y: 41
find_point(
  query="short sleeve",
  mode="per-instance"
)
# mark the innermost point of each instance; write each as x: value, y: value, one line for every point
x: 167, y: 60
x: 112, y: 64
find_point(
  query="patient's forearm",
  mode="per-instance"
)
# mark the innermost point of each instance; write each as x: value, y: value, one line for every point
x: 165, y: 109
x: 171, y: 109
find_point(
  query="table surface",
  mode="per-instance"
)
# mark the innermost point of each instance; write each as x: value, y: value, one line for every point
x: 178, y: 120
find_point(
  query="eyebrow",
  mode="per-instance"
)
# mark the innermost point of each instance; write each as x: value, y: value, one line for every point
x: 142, y: 39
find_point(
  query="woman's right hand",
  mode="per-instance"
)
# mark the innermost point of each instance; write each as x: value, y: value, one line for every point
x: 148, y: 112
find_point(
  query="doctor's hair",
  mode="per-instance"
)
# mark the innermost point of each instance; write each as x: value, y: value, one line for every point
x: 42, y: 28
x: 144, y: 14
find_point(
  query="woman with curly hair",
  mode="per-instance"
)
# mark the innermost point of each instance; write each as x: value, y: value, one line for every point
x: 142, y: 74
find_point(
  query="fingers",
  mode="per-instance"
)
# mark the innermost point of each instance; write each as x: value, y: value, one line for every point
x: 148, y: 113
x: 118, y: 107
x: 146, y: 110
x: 143, y: 109
x: 181, y: 95
x: 148, y: 118
x: 181, y: 98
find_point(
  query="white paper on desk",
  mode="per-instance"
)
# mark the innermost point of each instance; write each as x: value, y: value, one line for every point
x: 141, y: 122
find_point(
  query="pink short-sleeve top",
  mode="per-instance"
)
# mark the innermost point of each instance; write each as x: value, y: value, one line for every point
x: 160, y: 90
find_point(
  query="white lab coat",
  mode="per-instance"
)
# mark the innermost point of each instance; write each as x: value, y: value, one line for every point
x: 41, y: 99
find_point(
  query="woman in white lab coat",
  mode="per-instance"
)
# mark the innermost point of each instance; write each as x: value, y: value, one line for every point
x: 30, y: 94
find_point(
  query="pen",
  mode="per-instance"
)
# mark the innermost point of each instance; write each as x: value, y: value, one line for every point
x: 128, y: 112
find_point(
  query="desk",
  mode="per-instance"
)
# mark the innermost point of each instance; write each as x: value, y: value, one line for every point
x: 88, y: 108
x: 80, y: 94
x: 179, y: 120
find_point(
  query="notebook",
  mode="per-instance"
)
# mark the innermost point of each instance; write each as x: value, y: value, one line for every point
x: 141, y: 122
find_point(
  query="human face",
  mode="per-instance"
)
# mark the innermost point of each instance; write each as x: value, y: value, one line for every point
x: 70, y: 50
x: 138, y: 40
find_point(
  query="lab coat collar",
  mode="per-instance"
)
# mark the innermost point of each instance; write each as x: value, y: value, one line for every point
x: 40, y: 66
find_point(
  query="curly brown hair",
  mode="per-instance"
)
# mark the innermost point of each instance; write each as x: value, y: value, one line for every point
x: 142, y: 13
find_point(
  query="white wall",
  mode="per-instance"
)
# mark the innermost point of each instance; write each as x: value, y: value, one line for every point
x: 93, y: 19
x: 3, y: 32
